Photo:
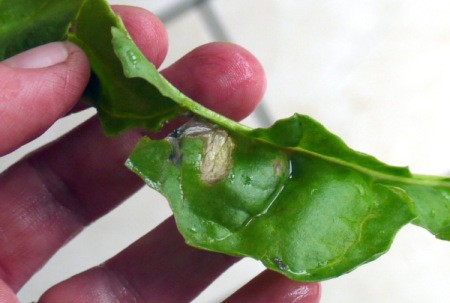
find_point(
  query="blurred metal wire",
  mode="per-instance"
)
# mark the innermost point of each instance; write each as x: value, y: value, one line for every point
x: 217, y: 32
x: 179, y: 9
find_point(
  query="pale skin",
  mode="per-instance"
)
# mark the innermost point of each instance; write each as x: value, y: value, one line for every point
x: 44, y: 202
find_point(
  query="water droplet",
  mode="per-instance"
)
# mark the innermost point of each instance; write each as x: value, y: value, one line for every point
x: 132, y: 57
x: 280, y: 264
x: 360, y: 189
x: 445, y: 194
x: 323, y: 263
x: 248, y: 180
x: 433, y: 213
x: 231, y: 177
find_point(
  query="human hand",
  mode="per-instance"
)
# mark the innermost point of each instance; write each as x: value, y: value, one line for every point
x: 51, y: 195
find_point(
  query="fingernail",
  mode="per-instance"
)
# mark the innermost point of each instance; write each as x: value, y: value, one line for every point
x: 41, y: 56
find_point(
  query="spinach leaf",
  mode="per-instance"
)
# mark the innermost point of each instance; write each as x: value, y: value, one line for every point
x: 25, y: 24
x: 431, y: 197
x: 301, y: 214
x: 327, y: 209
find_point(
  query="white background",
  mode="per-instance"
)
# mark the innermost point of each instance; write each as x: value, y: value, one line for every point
x: 375, y: 72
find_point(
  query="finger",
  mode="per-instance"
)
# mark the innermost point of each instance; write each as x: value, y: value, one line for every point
x: 48, y: 197
x: 6, y: 294
x: 159, y: 267
x: 51, y: 195
x: 228, y: 78
x: 222, y: 76
x: 271, y: 287
x: 37, y: 87
x: 147, y: 31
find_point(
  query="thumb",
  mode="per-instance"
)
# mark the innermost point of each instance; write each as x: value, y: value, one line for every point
x: 37, y: 87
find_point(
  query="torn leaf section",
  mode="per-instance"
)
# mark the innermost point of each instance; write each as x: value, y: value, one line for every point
x: 217, y: 156
x: 225, y: 180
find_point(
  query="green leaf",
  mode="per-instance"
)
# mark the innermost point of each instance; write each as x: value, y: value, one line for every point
x: 25, y: 24
x: 431, y: 197
x: 307, y: 215
x: 326, y: 209
x: 123, y: 100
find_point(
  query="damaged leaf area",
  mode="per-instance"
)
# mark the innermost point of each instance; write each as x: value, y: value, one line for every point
x: 219, y: 181
x: 218, y: 147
